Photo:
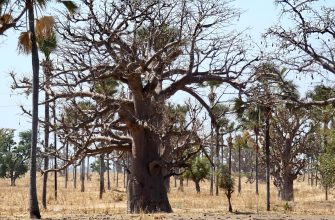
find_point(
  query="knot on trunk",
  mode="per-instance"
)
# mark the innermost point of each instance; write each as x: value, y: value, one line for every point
x: 155, y: 167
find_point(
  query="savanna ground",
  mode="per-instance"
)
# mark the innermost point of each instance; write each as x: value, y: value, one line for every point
x: 72, y: 204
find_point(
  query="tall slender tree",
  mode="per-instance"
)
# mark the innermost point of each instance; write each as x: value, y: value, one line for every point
x: 28, y: 44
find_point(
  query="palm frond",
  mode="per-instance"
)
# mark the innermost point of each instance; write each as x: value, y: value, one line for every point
x: 24, y: 44
x: 47, y: 44
x: 45, y: 26
x: 6, y: 19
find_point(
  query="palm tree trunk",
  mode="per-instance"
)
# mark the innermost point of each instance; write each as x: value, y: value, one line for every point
x: 239, y: 169
x: 75, y: 176
x: 108, y: 175
x: 230, y: 146
x: 33, y: 202
x: 66, y: 169
x: 267, y: 155
x: 217, y: 160
x: 256, y: 166
x: 55, y: 158
x: 82, y: 175
x: 212, y: 167
x: 102, y: 179
x: 124, y: 177
x: 88, y: 168
x: 47, y: 74
x: 117, y: 175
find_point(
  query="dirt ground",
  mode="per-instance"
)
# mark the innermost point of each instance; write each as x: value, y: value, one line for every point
x: 309, y: 203
x: 204, y: 216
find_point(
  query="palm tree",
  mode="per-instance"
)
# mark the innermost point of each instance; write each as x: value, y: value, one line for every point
x: 250, y: 117
x: 46, y: 40
x: 28, y: 44
x: 271, y: 88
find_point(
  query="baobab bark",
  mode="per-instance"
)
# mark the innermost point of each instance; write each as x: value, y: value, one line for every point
x: 287, y: 189
x: 146, y: 191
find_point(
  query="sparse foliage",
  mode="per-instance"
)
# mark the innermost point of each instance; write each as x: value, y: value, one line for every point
x: 14, y: 156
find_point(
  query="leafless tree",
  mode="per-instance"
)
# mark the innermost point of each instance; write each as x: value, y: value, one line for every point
x: 291, y: 135
x: 124, y: 60
x: 306, y: 45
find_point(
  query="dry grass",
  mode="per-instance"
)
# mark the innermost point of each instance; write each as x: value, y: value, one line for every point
x: 71, y: 202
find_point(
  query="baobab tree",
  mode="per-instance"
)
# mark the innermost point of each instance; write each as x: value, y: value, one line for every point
x: 153, y: 50
x: 307, y: 44
x: 292, y: 143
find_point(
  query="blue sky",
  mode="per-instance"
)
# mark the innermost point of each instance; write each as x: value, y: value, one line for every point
x: 258, y: 15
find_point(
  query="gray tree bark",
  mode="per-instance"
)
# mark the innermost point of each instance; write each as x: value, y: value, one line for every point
x: 34, y: 211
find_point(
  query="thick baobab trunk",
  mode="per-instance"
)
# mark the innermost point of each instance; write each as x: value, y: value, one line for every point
x: 167, y: 178
x: 146, y: 190
x: 286, y: 191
